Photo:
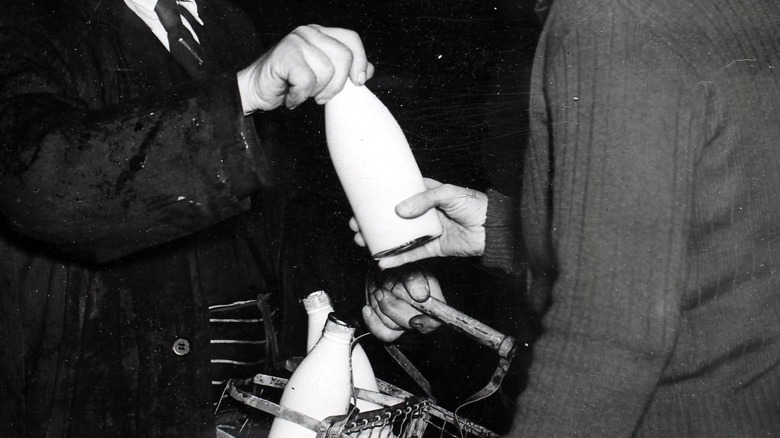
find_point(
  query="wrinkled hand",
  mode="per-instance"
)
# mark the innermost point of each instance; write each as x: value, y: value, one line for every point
x: 462, y: 212
x: 312, y: 61
x: 388, y: 315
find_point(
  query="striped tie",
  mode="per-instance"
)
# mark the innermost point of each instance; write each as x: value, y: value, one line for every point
x: 184, y: 48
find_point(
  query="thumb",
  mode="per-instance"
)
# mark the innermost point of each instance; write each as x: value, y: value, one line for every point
x: 419, y: 290
x: 415, y: 282
x: 415, y: 206
x: 419, y: 203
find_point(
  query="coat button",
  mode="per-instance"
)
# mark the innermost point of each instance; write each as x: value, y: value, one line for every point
x: 181, y: 347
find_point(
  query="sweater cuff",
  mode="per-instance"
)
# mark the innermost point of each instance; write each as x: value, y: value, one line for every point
x: 500, y: 240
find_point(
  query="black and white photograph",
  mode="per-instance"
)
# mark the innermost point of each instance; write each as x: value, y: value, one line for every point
x: 408, y: 219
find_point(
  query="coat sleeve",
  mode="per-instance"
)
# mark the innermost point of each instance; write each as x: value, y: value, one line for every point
x: 100, y: 177
x: 616, y: 125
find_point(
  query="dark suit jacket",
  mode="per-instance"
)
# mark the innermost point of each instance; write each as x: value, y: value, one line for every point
x: 131, y: 196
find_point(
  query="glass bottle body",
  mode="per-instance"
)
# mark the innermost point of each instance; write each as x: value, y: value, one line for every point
x: 318, y: 306
x: 321, y: 385
x: 377, y: 170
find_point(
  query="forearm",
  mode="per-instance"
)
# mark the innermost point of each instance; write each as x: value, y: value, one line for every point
x: 103, y: 181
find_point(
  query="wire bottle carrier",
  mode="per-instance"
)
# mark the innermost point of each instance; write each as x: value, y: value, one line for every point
x: 403, y: 415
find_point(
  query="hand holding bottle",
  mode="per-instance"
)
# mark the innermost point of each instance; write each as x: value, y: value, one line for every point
x: 311, y: 61
x: 462, y: 212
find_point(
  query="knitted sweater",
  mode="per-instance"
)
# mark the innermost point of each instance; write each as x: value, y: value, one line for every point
x: 651, y: 219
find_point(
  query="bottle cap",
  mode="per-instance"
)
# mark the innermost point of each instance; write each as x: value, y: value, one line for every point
x: 316, y: 301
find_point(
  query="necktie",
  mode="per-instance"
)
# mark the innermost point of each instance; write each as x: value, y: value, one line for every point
x: 184, y: 48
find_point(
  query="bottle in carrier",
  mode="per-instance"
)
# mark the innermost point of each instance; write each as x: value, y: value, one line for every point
x: 321, y: 385
x: 318, y: 306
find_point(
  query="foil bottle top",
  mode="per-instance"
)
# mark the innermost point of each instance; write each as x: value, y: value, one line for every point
x: 337, y: 329
x: 316, y: 301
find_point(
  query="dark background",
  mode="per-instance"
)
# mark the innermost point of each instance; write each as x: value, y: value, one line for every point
x: 455, y: 75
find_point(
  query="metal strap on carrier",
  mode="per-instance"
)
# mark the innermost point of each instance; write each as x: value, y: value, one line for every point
x: 402, y: 419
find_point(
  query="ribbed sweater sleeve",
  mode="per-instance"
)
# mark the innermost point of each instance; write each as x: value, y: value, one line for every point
x: 501, y: 240
x: 616, y: 117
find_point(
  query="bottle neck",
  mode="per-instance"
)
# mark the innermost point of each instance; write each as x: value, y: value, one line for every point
x: 338, y: 331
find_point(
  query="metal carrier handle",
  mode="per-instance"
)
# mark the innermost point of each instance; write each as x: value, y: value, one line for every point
x: 503, y: 344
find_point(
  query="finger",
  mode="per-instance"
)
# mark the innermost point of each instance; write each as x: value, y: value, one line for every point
x: 359, y: 240
x: 339, y: 56
x: 300, y: 81
x: 441, y: 196
x: 417, y: 205
x: 282, y: 75
x: 360, y: 70
x: 424, y: 324
x: 300, y: 67
x: 325, y: 56
x: 375, y: 326
x: 431, y: 183
x: 421, y: 286
x: 396, y: 309
x: 415, y: 282
x: 435, y: 288
x: 374, y: 299
x: 263, y: 85
x: 353, y: 225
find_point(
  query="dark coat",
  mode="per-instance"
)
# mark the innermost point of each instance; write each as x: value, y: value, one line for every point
x: 131, y: 196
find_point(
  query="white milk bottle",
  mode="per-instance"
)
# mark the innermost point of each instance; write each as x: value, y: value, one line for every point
x: 377, y: 170
x: 320, y: 387
x: 318, y: 306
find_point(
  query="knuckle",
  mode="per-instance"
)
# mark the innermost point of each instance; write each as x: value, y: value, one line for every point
x: 349, y: 57
x: 301, y: 29
x: 328, y: 70
x: 350, y: 35
x: 291, y: 42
